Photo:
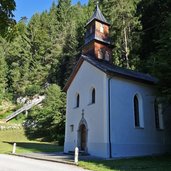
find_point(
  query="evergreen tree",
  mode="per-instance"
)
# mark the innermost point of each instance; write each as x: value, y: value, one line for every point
x: 153, y: 16
x: 3, y: 72
x: 18, y: 60
x: 90, y: 8
x: 6, y: 15
x: 125, y: 26
x: 47, y: 122
x: 71, y: 50
x: 40, y: 44
x: 161, y: 61
x: 155, y: 56
x: 69, y: 33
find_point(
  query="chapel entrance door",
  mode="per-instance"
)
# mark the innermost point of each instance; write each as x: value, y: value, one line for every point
x: 83, y: 137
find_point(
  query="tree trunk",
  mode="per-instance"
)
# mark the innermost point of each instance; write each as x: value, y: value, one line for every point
x: 126, y: 48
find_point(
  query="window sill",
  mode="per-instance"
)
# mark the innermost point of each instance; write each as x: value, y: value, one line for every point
x: 75, y: 107
x: 160, y: 129
x: 138, y: 127
x: 90, y: 104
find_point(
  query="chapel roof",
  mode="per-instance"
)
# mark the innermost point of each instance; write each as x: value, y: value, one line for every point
x: 111, y: 70
x: 98, y: 16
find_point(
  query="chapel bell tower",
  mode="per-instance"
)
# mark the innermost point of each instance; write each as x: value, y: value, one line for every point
x: 97, y: 42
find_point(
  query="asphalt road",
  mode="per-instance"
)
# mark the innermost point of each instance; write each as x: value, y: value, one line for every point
x: 14, y: 163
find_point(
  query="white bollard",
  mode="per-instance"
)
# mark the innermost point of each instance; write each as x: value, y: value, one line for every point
x: 14, y: 148
x: 76, y: 155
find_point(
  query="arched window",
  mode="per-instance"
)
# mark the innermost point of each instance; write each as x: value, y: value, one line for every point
x: 100, y: 54
x: 158, y: 115
x: 107, y: 56
x: 78, y: 100
x: 156, y: 110
x: 136, y: 111
x: 93, y: 95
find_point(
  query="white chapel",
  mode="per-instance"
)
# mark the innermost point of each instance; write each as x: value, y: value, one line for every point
x: 112, y: 111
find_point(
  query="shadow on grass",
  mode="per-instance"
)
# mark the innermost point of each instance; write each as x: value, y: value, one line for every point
x: 37, y: 147
x: 160, y: 163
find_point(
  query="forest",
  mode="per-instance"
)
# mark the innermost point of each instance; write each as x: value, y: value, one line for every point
x: 37, y: 56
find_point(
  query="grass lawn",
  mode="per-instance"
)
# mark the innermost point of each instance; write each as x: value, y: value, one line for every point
x: 7, y: 137
x: 162, y: 163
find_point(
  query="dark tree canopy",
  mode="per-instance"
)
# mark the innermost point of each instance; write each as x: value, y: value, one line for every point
x: 155, y: 48
x: 6, y: 14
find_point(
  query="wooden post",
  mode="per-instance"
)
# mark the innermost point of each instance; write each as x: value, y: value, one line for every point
x: 14, y: 148
x: 76, y: 155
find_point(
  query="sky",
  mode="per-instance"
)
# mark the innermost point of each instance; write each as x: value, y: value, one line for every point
x: 29, y: 7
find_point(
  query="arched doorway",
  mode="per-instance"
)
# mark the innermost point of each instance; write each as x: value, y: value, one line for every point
x: 83, y: 137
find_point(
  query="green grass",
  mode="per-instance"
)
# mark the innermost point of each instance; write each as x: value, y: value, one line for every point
x: 19, y: 119
x: 162, y: 163
x: 3, y: 116
x: 8, y: 137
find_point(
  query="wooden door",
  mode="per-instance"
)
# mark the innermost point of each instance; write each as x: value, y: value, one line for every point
x: 83, y: 137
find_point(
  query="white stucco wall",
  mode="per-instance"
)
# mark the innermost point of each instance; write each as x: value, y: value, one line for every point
x: 95, y: 115
x: 126, y: 139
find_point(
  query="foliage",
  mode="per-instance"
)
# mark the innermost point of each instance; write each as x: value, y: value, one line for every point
x: 155, y: 56
x: 3, y: 73
x: 5, y: 114
x: 48, y: 121
x: 161, y: 61
x: 18, y: 59
x: 125, y: 30
x: 6, y: 15
x: 32, y: 90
